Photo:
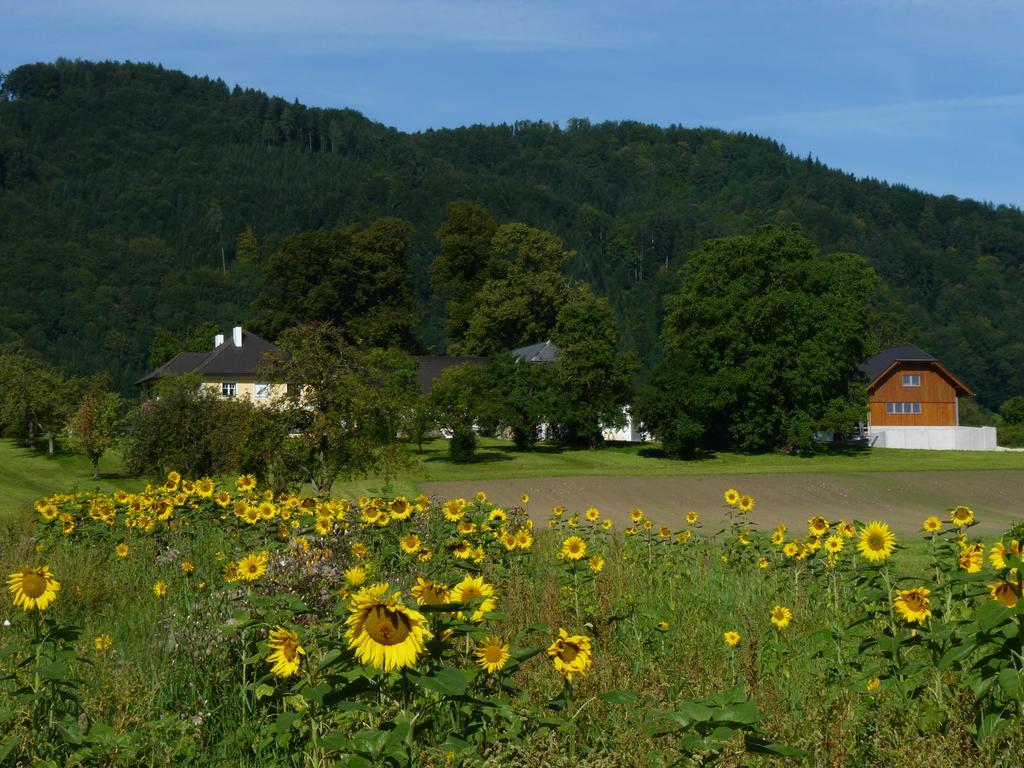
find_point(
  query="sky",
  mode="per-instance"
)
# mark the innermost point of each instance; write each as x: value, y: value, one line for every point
x: 928, y: 93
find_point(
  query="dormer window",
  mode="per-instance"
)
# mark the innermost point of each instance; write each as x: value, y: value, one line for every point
x: 911, y: 379
x: 228, y: 388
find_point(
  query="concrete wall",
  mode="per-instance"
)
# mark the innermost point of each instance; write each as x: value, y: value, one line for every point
x: 934, y: 438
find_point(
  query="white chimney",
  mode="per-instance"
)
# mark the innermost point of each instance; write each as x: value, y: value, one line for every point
x: 236, y: 335
x: 218, y: 340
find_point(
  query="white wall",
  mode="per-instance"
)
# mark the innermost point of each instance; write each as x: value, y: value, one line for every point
x: 934, y: 438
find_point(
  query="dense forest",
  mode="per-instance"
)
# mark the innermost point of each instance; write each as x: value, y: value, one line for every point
x: 129, y: 195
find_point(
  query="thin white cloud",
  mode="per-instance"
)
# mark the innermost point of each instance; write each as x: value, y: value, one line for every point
x: 893, y: 118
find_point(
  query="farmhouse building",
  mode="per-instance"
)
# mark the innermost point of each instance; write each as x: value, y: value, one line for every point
x: 231, y: 369
x: 913, y: 403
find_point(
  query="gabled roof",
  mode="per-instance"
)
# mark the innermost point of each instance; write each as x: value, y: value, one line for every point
x: 431, y: 366
x: 224, y: 360
x: 878, y: 366
x: 544, y: 352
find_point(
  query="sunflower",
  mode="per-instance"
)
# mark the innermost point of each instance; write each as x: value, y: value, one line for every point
x: 932, y: 524
x: 466, y: 527
x: 781, y: 616
x: 497, y: 515
x: 998, y: 553
x: 474, y: 588
x: 762, y: 562
x: 574, y: 548
x: 173, y: 478
x: 1004, y: 593
x: 636, y: 515
x: 252, y: 567
x: 121, y: 550
x: 33, y: 588
x: 462, y: 550
x: 571, y: 654
x: 383, y: 631
x: 596, y: 563
x: 606, y: 524
x: 204, y: 487
x: 592, y: 514
x: 792, y: 549
x: 834, y: 544
x: 817, y: 526
x: 187, y: 567
x: 557, y: 511
x: 745, y: 503
x: 492, y: 654
x: 400, y: 508
x: 961, y: 515
x: 410, y: 544
x: 245, y: 483
x: 732, y: 497
x: 732, y: 638
x: 481, y: 497
x: 355, y: 576
x: 685, y: 536
x: 971, y: 557
x: 524, y: 539
x: 848, y: 530
x: 524, y: 499
x: 284, y: 644
x: 778, y: 537
x: 250, y: 514
x: 692, y: 518
x: 664, y: 532
x: 454, y: 509
x: 222, y: 499
x: 431, y: 592
x: 877, y: 542
x: 913, y: 604
x: 160, y: 589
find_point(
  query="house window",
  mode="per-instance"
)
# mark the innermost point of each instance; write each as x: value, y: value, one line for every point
x: 228, y: 388
x: 911, y: 379
x: 261, y: 390
x: 905, y: 409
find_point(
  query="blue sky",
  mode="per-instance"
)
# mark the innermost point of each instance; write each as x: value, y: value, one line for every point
x: 928, y: 93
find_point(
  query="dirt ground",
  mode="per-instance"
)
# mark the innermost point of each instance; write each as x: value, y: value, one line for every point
x: 902, y: 499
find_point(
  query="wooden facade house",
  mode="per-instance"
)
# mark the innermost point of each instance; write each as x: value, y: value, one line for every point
x: 907, y: 387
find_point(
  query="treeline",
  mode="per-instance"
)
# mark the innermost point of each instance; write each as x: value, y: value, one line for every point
x: 126, y: 189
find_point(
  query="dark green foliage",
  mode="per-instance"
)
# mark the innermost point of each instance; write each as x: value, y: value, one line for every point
x: 355, y: 278
x: 593, y: 381
x: 166, y: 344
x: 1011, y: 435
x: 667, y: 406
x: 778, y: 333
x: 97, y: 423
x: 524, y: 398
x: 466, y: 260
x: 974, y: 414
x: 462, y: 400
x: 124, y: 186
x: 36, y: 400
x: 1012, y: 410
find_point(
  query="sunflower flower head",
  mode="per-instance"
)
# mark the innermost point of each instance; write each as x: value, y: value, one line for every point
x: 913, y: 604
x: 492, y: 654
x: 33, y: 589
x: 384, y: 632
x: 571, y: 654
x: 781, y: 616
x: 285, y: 651
x: 876, y: 542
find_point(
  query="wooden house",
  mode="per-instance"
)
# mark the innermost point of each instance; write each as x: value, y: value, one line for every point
x: 907, y: 387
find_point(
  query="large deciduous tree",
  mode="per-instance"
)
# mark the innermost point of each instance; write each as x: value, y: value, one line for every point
x: 96, y: 425
x: 772, y: 334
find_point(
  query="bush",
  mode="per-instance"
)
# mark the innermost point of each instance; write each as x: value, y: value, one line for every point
x: 1012, y: 410
x: 462, y: 446
x: 1011, y: 435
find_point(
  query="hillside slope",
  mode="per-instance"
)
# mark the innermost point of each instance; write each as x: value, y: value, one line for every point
x: 124, y: 186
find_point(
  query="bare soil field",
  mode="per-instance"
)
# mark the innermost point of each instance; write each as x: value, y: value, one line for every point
x: 902, y: 499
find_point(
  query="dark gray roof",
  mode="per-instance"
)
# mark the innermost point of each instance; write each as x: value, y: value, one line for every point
x: 544, y: 352
x: 905, y: 353
x: 224, y: 360
x: 431, y: 366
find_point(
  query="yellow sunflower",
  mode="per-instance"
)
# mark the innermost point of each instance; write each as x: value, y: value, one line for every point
x: 817, y: 526
x: 524, y: 539
x: 972, y: 557
x: 356, y: 576
x: 571, y: 654
x: 430, y: 592
x: 636, y: 515
x: 778, y: 538
x: 574, y: 548
x: 557, y: 511
x: 252, y: 567
x: 877, y: 542
x: 33, y: 589
x: 524, y: 499
x: 1004, y: 593
x: 664, y: 532
x: 383, y: 631
x: 454, y: 509
x: 592, y: 514
x: 834, y: 544
x: 492, y: 654
x: 285, y: 651
x: 596, y: 563
x: 204, y: 487
x: 913, y: 604
x: 731, y: 638
x: 121, y: 550
x: 474, y: 588
x: 961, y: 515
x: 410, y: 544
x: 997, y: 555
x: 606, y: 524
x: 932, y: 524
x: 400, y: 508
x: 732, y: 497
x: 692, y: 518
x: 848, y: 530
x: 781, y: 616
x: 746, y: 503
x: 245, y: 483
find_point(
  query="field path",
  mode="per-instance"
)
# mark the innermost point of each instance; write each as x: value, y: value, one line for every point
x: 902, y: 499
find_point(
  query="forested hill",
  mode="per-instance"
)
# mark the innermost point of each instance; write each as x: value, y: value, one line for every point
x: 123, y: 189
